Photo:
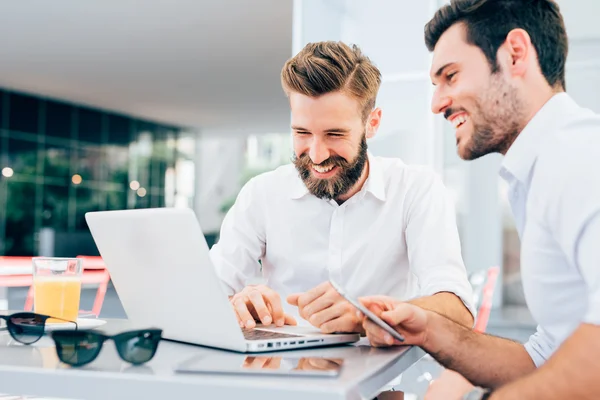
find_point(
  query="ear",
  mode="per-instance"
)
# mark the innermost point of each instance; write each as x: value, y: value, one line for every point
x: 373, y: 122
x: 520, y: 51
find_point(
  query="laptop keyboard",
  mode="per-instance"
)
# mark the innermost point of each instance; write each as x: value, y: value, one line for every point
x: 256, y: 334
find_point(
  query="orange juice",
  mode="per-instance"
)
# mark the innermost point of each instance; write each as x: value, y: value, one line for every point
x: 57, y: 296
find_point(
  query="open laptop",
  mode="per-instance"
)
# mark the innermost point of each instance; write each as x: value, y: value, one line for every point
x: 160, y: 266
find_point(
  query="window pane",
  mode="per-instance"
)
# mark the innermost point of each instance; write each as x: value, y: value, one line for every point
x: 56, y: 204
x: 22, y: 156
x: 141, y: 157
x: 23, y: 113
x: 119, y: 131
x: 20, y: 213
x: 87, y: 200
x: 89, y: 163
x: 163, y: 157
x: 3, y: 151
x: 116, y: 200
x: 159, y: 201
x: 117, y: 164
x: 57, y: 162
x: 90, y: 125
x: 58, y: 119
x: 2, y: 108
x: 144, y: 200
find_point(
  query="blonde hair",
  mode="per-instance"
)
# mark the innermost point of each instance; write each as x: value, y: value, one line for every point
x: 327, y: 67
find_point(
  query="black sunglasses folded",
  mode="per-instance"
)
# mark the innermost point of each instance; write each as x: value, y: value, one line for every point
x: 77, y: 348
x: 28, y: 327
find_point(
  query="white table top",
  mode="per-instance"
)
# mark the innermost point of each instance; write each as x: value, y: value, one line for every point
x: 36, y: 371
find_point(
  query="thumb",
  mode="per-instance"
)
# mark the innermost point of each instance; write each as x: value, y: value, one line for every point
x: 293, y: 299
x: 373, y: 304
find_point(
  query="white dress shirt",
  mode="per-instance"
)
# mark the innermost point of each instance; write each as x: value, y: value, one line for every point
x: 397, y: 236
x: 553, y: 172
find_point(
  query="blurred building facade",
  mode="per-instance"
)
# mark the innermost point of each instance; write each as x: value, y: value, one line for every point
x: 60, y: 160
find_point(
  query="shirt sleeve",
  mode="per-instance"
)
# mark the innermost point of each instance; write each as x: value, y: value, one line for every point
x: 242, y: 241
x: 432, y: 240
x: 588, y: 257
x: 541, y: 346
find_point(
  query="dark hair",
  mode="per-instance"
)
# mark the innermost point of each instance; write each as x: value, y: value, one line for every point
x: 326, y: 67
x: 488, y: 22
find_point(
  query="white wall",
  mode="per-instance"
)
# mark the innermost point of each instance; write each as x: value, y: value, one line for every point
x: 583, y: 63
x: 581, y: 18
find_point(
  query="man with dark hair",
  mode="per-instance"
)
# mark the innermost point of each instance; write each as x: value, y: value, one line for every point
x: 372, y: 224
x: 499, y: 71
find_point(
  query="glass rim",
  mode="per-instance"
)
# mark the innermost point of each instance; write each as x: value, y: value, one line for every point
x: 63, y: 266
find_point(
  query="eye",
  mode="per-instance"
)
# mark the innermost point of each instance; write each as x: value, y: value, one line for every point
x: 450, y: 77
x: 302, y: 133
x: 335, y: 134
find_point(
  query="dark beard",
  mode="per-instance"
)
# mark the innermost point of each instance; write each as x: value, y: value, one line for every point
x: 495, y: 134
x: 497, y: 120
x: 342, y: 182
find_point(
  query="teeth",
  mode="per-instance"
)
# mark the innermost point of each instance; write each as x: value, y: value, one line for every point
x: 461, y: 119
x: 322, y: 169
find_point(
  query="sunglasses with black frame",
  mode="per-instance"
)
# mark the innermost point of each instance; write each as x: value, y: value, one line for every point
x: 78, y: 348
x: 28, y: 327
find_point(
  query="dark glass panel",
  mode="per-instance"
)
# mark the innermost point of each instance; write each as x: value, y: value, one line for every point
x: 87, y: 200
x: 22, y: 155
x: 90, y: 125
x: 119, y: 129
x: 58, y: 119
x: 24, y: 113
x: 56, y: 207
x: 20, y: 212
x: 57, y: 162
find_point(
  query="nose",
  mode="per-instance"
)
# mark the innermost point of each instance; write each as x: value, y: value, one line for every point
x: 318, y: 151
x: 440, y: 102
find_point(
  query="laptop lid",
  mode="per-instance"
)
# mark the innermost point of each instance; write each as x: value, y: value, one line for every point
x: 160, y: 266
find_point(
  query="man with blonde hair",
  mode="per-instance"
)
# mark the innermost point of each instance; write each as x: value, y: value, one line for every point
x: 372, y: 224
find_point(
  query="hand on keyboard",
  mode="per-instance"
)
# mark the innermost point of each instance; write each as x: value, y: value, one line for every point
x: 259, y: 303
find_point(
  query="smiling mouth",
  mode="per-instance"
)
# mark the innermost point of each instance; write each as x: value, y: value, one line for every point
x: 459, y: 121
x: 323, y: 169
x: 324, y: 172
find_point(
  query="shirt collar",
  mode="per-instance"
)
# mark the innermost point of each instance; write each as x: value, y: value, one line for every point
x: 298, y: 189
x: 375, y: 183
x: 522, y: 154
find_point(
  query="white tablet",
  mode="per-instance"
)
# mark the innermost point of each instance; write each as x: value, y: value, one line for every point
x: 288, y: 365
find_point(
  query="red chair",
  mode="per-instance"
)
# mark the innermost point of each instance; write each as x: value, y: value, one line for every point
x: 484, y: 299
x: 17, y: 272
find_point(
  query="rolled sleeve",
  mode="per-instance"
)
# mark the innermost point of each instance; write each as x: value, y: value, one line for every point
x: 242, y: 241
x: 540, y: 346
x: 433, y: 243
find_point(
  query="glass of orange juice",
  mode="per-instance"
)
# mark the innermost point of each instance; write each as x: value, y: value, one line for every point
x: 57, y: 287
